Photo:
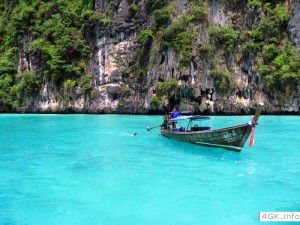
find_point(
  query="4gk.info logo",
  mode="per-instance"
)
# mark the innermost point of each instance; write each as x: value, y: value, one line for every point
x: 279, y: 216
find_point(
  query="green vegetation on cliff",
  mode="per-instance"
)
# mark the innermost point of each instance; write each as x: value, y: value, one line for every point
x: 52, y: 42
x: 266, y: 42
x: 278, y: 61
x: 52, y: 33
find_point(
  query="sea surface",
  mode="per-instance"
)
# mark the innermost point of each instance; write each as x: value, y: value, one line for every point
x: 89, y: 169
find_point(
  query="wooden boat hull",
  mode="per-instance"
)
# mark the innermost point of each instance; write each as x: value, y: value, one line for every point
x: 231, y: 138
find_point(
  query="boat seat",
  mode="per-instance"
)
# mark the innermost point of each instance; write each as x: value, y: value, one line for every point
x: 199, y: 128
x: 195, y: 128
x: 175, y: 129
x: 204, y: 128
x: 180, y: 129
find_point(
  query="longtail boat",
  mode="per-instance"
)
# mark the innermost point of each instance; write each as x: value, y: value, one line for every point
x: 230, y: 138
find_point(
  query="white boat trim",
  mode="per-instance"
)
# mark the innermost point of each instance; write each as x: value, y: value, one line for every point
x: 217, y: 145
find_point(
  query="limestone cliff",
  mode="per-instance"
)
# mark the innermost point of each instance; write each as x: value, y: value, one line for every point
x: 295, y: 22
x: 214, y: 73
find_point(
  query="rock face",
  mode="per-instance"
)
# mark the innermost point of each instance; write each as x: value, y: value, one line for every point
x: 295, y: 22
x: 125, y: 72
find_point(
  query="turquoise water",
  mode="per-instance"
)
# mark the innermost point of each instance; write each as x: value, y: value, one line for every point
x: 81, y: 169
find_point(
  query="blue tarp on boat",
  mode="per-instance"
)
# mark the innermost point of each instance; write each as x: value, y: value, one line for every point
x: 180, y: 118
